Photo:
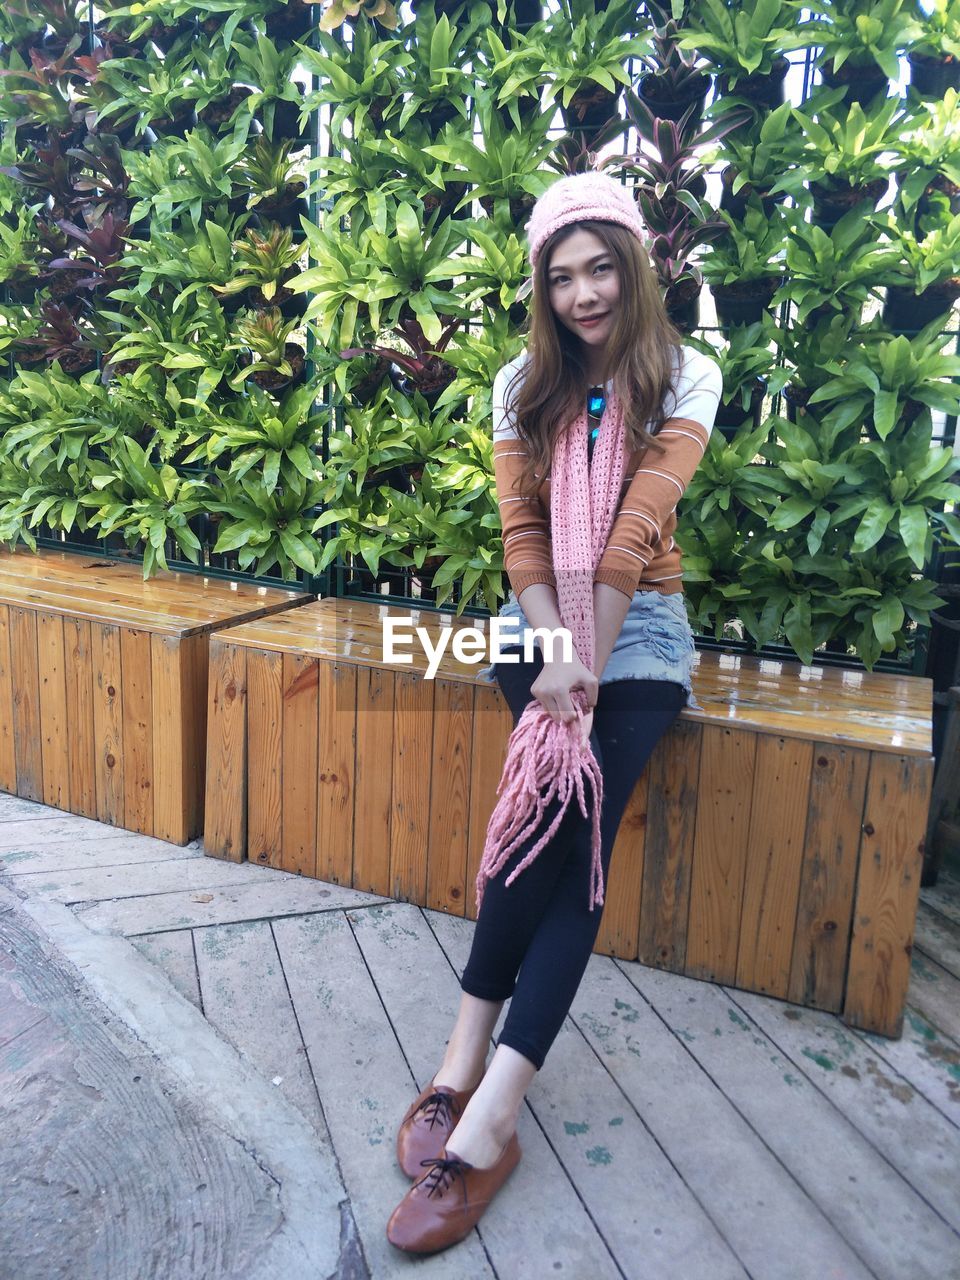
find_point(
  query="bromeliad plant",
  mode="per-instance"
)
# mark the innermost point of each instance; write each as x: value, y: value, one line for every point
x: 272, y: 360
x: 433, y: 85
x: 835, y: 272
x: 918, y: 261
x: 928, y: 151
x: 273, y: 181
x: 844, y: 148
x: 265, y: 263
x: 742, y: 42
x: 753, y: 251
x: 147, y: 93
x: 189, y: 176
x: 360, y: 82
x: 861, y: 33
x: 277, y: 99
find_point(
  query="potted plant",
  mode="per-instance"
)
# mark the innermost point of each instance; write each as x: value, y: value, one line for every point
x: 276, y: 99
x: 835, y: 272
x: 859, y: 44
x: 670, y: 173
x: 336, y: 12
x: 889, y: 382
x: 843, y: 156
x: 276, y: 189
x: 265, y: 263
x: 21, y: 25
x: 217, y: 99
x: 290, y: 21
x: 807, y: 347
x: 188, y: 261
x: 581, y: 55
x: 421, y: 367
x: 359, y: 82
x: 59, y: 23
x: 675, y: 80
x: 183, y: 177
x: 148, y: 93
x: 18, y: 256
x: 923, y: 275
x: 746, y: 49
x: 519, y: 104
x: 928, y: 158
x: 269, y: 357
x: 750, y: 373
x: 100, y: 179
x: 756, y: 162
x: 414, y: 167
x: 48, y: 173
x: 37, y: 97
x: 433, y: 86
x: 497, y: 275
x: 934, y: 53
x: 504, y: 165
x: 94, y: 252
x: 63, y: 336
x: 744, y: 268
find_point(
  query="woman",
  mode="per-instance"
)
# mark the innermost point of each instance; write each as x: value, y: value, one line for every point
x: 609, y: 406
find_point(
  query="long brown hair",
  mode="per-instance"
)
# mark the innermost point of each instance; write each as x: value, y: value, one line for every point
x: 640, y: 352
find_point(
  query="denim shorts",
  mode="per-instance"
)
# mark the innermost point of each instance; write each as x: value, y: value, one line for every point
x: 655, y: 641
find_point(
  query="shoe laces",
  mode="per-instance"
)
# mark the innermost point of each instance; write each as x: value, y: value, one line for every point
x: 438, y: 1108
x: 442, y: 1173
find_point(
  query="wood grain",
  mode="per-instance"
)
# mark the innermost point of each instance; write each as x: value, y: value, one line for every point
x: 781, y: 792
x: 492, y: 726
x: 108, y: 722
x: 838, y: 786
x: 336, y: 772
x: 373, y: 781
x: 674, y: 779
x: 264, y: 757
x: 413, y: 724
x: 81, y: 744
x: 137, y: 714
x: 719, y: 853
x: 172, y: 781
x: 225, y: 820
x: 26, y: 703
x: 298, y: 850
x: 8, y: 757
x: 888, y: 886
x: 54, y: 734
x: 450, y: 798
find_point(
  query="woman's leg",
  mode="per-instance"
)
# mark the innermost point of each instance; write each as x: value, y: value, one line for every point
x: 506, y: 920
x: 630, y: 718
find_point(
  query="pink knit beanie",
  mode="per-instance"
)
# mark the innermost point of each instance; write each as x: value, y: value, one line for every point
x: 577, y: 198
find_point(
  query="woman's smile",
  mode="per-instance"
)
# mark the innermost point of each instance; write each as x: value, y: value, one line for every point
x: 584, y: 287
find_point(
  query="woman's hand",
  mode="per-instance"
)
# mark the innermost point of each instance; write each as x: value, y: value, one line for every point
x: 555, y: 684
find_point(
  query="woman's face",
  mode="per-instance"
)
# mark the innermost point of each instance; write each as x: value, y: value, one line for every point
x: 584, y: 287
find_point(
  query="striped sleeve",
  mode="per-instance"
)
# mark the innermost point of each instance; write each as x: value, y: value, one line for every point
x: 660, y: 479
x: 527, y: 554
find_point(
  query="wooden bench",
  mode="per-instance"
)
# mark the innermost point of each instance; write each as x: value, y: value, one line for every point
x: 103, y: 680
x: 774, y: 843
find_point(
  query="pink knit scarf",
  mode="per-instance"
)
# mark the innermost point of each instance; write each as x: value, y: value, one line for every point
x: 544, y: 757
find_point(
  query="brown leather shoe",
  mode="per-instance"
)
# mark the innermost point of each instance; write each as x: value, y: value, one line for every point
x: 428, y: 1124
x: 448, y: 1201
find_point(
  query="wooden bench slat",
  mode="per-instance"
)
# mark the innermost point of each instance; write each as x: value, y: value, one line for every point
x: 137, y: 712
x: 299, y: 769
x: 80, y: 717
x: 26, y: 703
x: 450, y: 797
x: 108, y: 723
x: 373, y: 781
x: 413, y: 719
x: 8, y: 756
x: 336, y: 778
x: 54, y: 748
x: 265, y: 758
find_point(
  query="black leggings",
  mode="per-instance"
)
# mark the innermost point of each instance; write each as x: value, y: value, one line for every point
x: 533, y: 940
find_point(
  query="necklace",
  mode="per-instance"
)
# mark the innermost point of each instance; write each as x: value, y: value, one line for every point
x: 596, y: 403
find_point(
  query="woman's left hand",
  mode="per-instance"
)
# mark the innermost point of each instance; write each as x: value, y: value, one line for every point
x: 586, y: 725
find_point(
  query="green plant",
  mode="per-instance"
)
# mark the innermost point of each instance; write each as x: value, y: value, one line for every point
x: 760, y: 156
x: 741, y: 42
x: 918, y: 261
x: 264, y: 261
x: 753, y: 249
x: 433, y: 78
x: 189, y: 346
x: 745, y: 358
x: 190, y: 260
x: 269, y: 70
x: 861, y: 32
x: 499, y: 273
x: 929, y: 149
x: 182, y: 176
x: 40, y: 93
x: 881, y: 380
x: 397, y: 267
x: 266, y: 335
x: 678, y: 70
x: 846, y: 147
x: 937, y: 34
x: 268, y: 173
x: 832, y: 272
x: 360, y: 81
x: 573, y: 49
x: 147, y: 91
x: 266, y: 527
x: 503, y: 164
x: 337, y: 12
x: 18, y: 247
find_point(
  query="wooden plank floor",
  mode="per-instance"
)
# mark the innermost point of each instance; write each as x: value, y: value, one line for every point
x: 678, y: 1129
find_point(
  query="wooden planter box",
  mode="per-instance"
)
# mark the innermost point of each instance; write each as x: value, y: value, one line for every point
x: 774, y: 842
x: 103, y: 685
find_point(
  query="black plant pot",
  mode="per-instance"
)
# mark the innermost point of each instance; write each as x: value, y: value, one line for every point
x: 666, y: 104
x: 526, y: 13
x: 830, y: 204
x: 445, y: 202
x: 286, y: 123
x: 795, y: 398
x: 590, y: 109
x: 442, y: 112
x: 276, y: 383
x: 218, y: 114
x: 292, y: 22
x: 731, y: 417
x: 682, y: 304
x: 860, y: 82
x: 906, y: 312
x: 932, y: 77
x: 285, y: 213
x: 764, y: 90
x: 736, y: 204
x: 743, y: 302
